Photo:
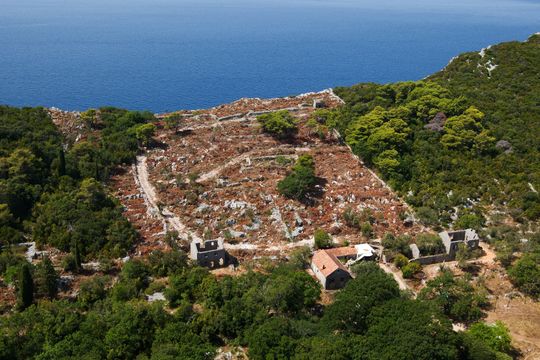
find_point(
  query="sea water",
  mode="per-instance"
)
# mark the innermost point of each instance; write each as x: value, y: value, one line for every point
x: 162, y: 55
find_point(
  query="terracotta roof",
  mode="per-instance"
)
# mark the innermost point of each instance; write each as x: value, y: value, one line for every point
x: 327, y: 263
x: 343, y: 251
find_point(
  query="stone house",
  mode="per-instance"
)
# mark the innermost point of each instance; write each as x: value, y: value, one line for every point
x: 209, y: 253
x: 330, y: 272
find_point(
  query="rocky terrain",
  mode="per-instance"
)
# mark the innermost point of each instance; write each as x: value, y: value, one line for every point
x: 214, y: 175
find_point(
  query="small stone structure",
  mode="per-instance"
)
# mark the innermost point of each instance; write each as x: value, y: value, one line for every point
x: 209, y: 253
x: 319, y: 104
x: 451, y: 241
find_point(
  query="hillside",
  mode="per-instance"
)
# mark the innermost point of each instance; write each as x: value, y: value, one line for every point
x: 504, y: 81
x: 451, y: 163
x: 98, y: 210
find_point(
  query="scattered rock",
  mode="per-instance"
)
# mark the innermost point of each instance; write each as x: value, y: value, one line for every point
x: 504, y: 145
x: 437, y: 123
x: 203, y: 208
x: 237, y: 234
x: 159, y: 296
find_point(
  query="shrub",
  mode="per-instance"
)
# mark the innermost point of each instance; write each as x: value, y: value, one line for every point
x: 456, y: 297
x: 46, y: 279
x: 366, y: 229
x: 429, y: 244
x: 496, y: 335
x: 400, y: 261
x: 93, y: 290
x: 69, y: 263
x: 470, y: 220
x: 351, y: 218
x: 398, y: 244
x: 411, y: 269
x: 166, y: 263
x: 323, y: 240
x: 301, y: 180
x: 525, y: 275
x: 280, y: 124
x: 144, y: 133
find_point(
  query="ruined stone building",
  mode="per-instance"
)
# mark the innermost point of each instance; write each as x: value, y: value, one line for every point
x: 209, y: 253
x: 453, y: 239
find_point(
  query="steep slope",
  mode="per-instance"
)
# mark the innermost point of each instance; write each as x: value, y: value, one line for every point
x: 461, y: 144
x: 504, y: 82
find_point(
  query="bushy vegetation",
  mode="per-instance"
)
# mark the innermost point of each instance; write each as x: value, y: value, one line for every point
x: 456, y: 297
x: 82, y: 215
x: 301, y: 180
x: 273, y: 313
x: 525, y: 274
x: 459, y: 159
x: 54, y: 194
x: 280, y: 124
x: 394, y: 245
x: 411, y: 269
x: 429, y: 244
x: 323, y: 240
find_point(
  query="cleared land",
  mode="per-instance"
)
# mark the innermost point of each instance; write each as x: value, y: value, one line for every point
x: 216, y: 174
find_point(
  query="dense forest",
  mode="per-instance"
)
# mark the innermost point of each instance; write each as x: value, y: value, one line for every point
x: 461, y: 147
x: 274, y: 312
x: 463, y: 142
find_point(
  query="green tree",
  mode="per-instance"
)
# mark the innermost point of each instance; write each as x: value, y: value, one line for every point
x: 185, y: 286
x: 323, y: 240
x: 456, y: 297
x: 411, y: 323
x: 352, y: 305
x: 462, y: 130
x: 177, y: 341
x: 25, y: 287
x: 131, y: 332
x: 290, y: 292
x: 167, y: 263
x: 272, y: 340
x: 144, y: 133
x: 525, y: 275
x: 46, y: 279
x: 280, y: 124
x: 301, y: 180
x: 92, y: 290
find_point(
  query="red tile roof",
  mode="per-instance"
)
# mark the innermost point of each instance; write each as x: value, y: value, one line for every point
x: 327, y: 263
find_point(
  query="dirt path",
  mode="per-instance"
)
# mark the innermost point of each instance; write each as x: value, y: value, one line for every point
x: 214, y: 173
x: 402, y: 284
x: 170, y: 221
x: 518, y: 312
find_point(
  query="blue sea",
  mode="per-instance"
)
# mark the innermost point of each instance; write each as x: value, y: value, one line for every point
x: 162, y: 55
